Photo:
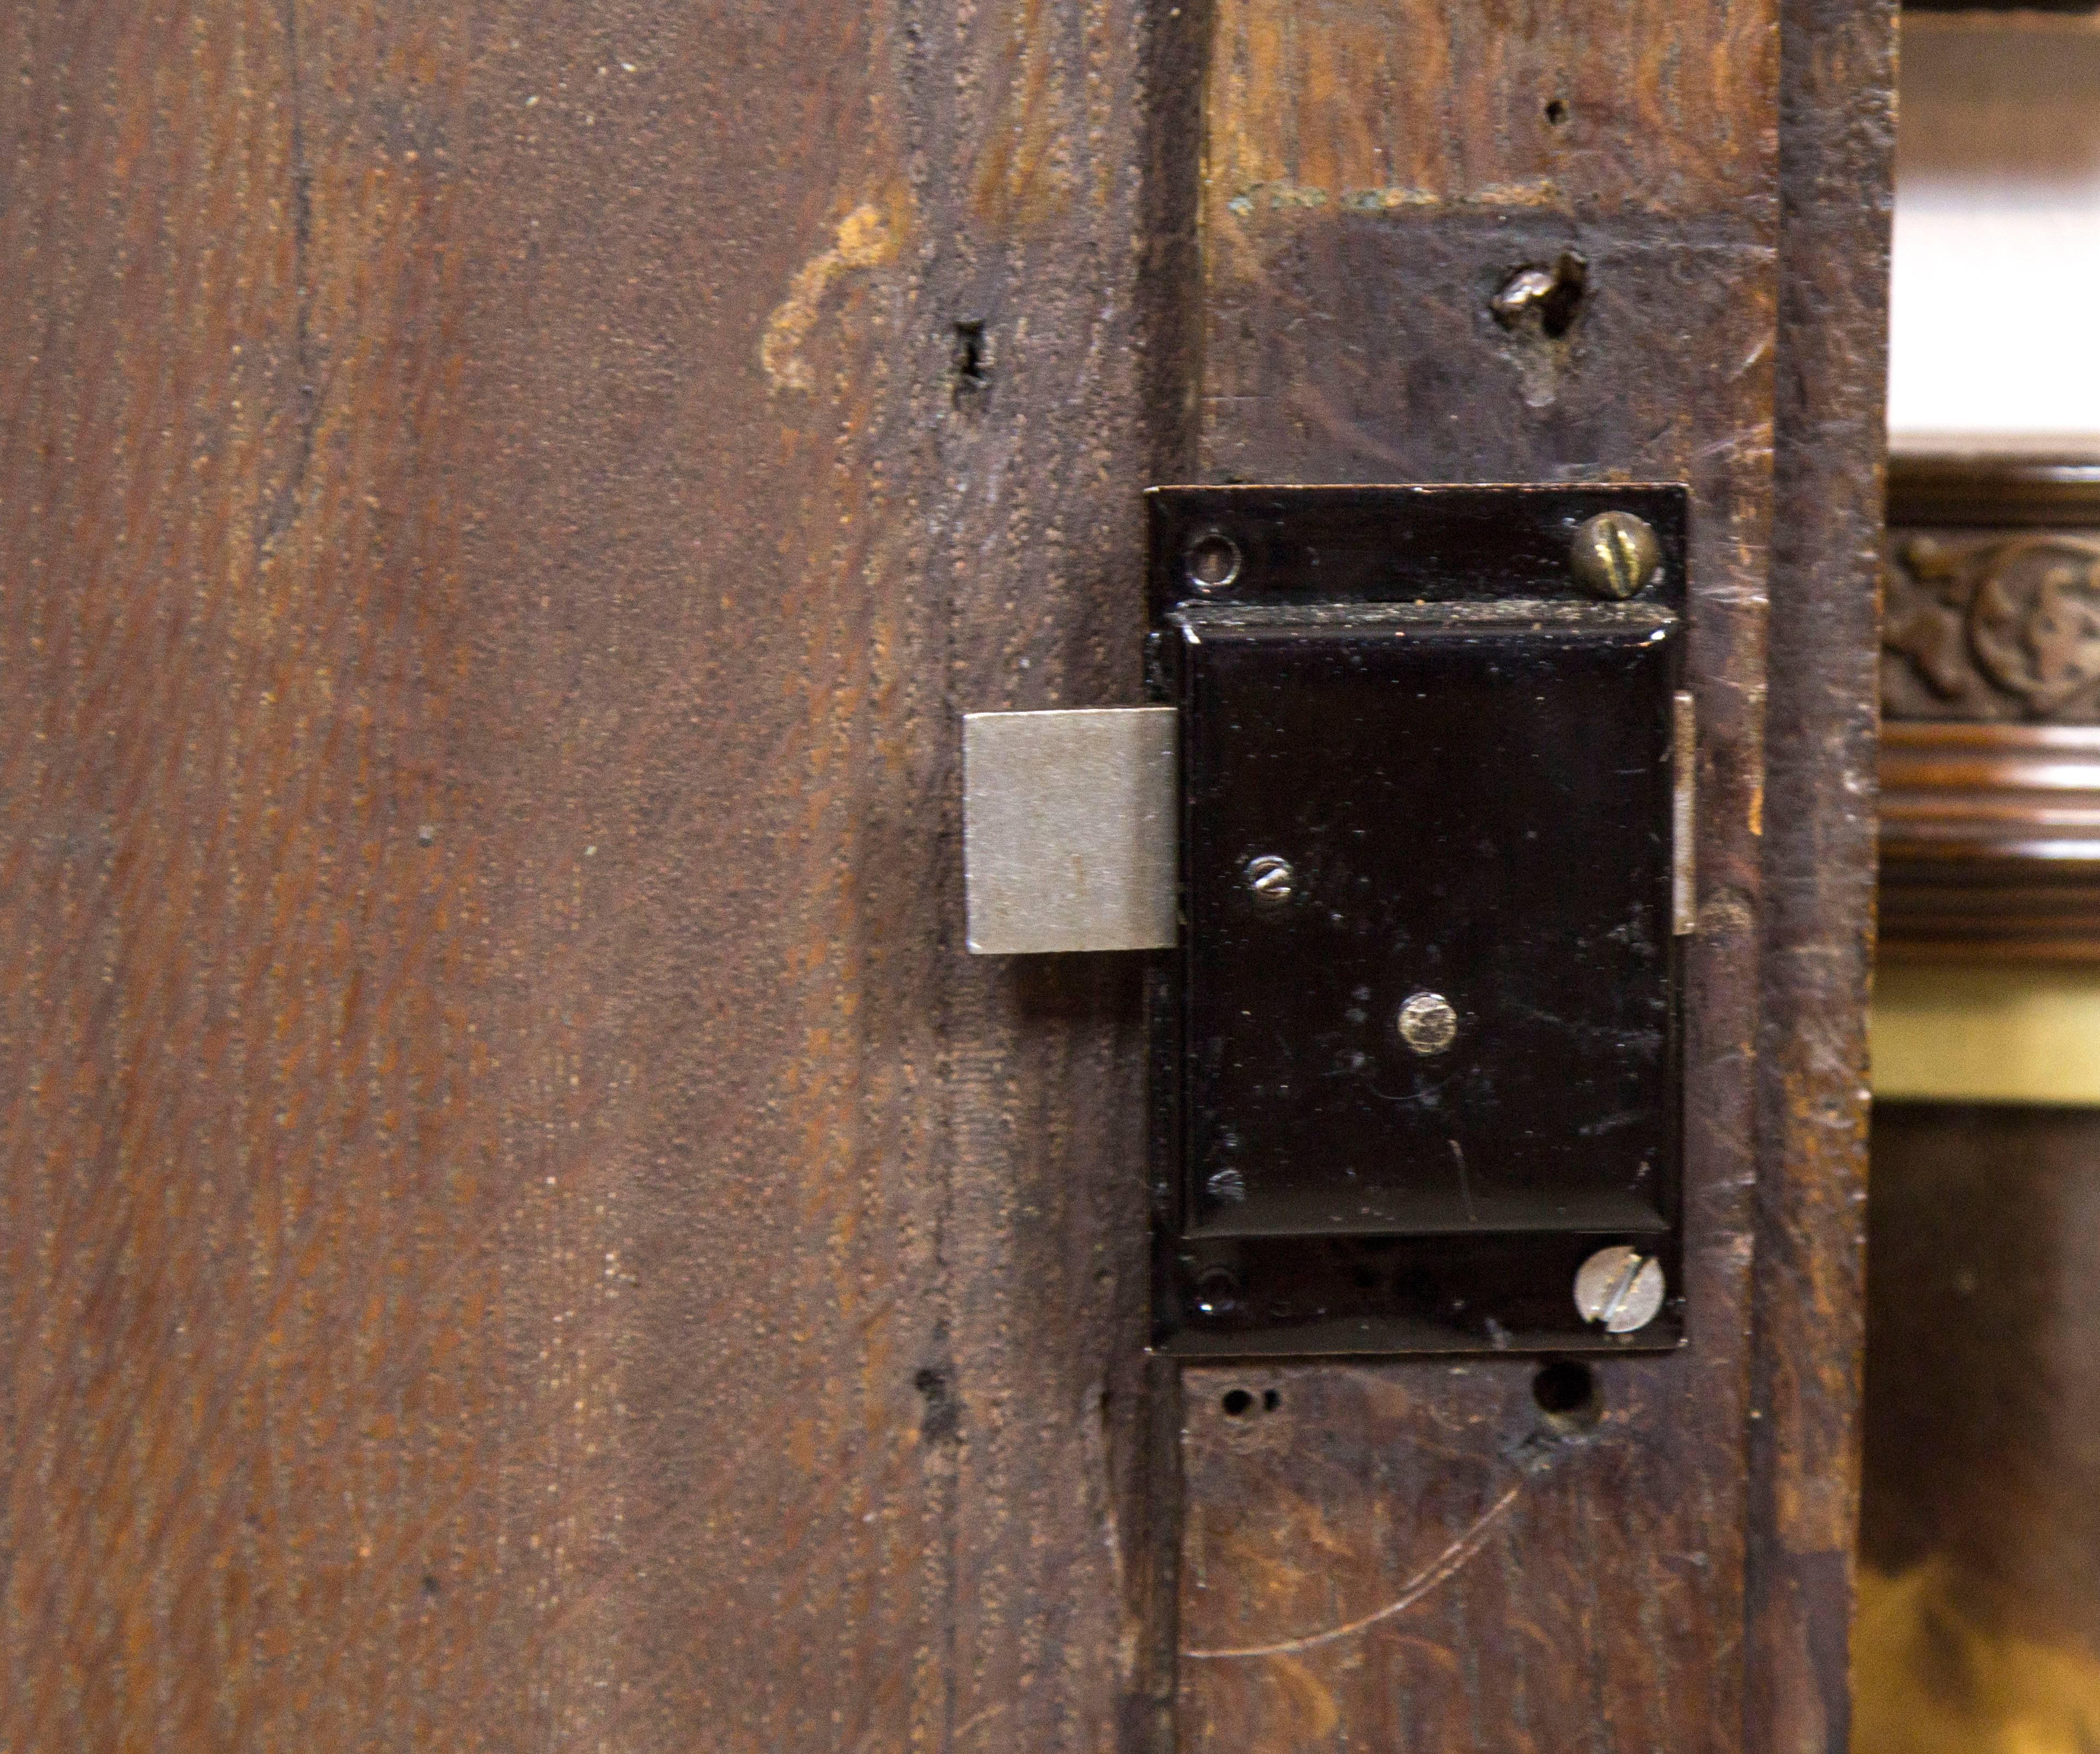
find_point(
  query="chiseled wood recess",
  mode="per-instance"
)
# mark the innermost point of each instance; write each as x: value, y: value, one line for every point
x: 519, y: 1227
x: 1410, y: 1556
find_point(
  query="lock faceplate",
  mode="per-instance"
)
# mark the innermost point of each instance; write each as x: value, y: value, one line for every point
x: 1417, y: 1055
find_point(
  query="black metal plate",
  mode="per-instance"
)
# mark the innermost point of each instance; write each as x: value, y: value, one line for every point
x: 1467, y: 763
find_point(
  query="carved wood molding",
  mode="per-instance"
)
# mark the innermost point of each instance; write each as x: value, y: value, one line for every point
x: 1993, y: 627
x: 1991, y: 694
x: 1991, y: 840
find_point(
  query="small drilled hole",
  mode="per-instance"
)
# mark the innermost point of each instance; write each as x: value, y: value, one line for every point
x: 1237, y: 1403
x: 1213, y: 561
x: 968, y: 365
x: 1270, y: 1400
x: 1566, y: 1392
x: 1556, y: 113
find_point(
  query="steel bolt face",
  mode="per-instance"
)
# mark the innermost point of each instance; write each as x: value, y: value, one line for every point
x: 1614, y: 555
x: 1427, y: 1024
x: 1270, y: 880
x: 1620, y: 1289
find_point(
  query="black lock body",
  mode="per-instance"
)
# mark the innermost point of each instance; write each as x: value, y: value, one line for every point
x: 1417, y: 1055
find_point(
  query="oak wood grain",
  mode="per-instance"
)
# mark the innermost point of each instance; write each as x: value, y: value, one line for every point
x: 519, y: 1227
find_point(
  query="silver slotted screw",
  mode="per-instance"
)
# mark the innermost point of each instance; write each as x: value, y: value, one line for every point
x: 1620, y: 1289
x: 1271, y: 880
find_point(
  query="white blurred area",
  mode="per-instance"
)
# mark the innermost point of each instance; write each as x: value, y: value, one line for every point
x: 1995, y: 310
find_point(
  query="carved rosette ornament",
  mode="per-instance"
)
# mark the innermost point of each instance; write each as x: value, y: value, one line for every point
x: 2000, y: 627
x: 1991, y: 699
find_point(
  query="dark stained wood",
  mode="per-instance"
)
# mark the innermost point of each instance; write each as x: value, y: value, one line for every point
x: 518, y: 1224
x: 1415, y: 1556
x: 1990, y: 840
x: 1982, y: 1392
x: 519, y: 1227
x: 1990, y: 680
x: 1837, y: 149
x: 2010, y: 491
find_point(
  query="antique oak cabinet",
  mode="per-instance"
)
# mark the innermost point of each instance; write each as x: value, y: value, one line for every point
x: 521, y: 1225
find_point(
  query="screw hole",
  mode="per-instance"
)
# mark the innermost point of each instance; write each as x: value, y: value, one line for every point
x: 1566, y: 1392
x: 940, y: 1418
x: 1270, y: 1400
x: 1236, y: 1404
x: 1213, y: 561
x: 971, y: 374
x: 1556, y: 112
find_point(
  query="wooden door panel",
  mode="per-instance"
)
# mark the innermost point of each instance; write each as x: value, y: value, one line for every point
x: 522, y: 1224
x: 519, y: 1222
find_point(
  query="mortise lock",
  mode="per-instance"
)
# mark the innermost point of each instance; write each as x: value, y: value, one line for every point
x: 1409, y: 828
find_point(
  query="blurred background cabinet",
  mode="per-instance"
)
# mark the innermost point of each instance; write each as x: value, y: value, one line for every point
x: 1979, y: 1625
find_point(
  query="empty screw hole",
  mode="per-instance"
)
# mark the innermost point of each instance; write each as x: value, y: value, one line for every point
x: 973, y: 375
x: 1236, y: 1404
x: 1213, y: 561
x: 1566, y: 1392
x: 1556, y: 112
x: 1270, y: 1400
